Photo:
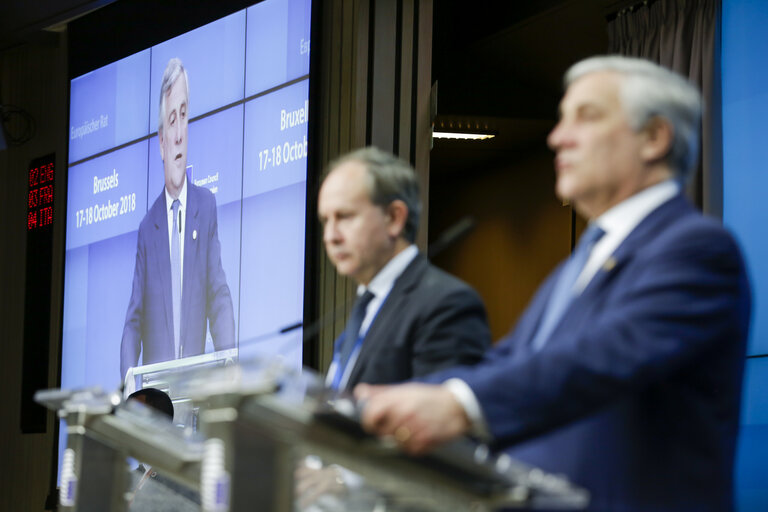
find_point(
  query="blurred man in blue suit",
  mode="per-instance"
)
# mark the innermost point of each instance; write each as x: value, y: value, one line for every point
x: 178, y: 282
x: 625, y: 371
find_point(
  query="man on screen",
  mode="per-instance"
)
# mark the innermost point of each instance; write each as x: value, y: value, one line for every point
x: 179, y: 284
x: 624, y: 373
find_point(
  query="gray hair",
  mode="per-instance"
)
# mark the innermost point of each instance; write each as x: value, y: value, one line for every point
x: 647, y: 91
x: 173, y: 70
x: 389, y: 179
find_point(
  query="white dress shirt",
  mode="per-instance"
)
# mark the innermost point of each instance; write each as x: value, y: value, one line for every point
x: 382, y: 284
x: 182, y: 224
x: 619, y: 221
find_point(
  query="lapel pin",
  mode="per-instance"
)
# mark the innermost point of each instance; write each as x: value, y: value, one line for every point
x: 194, y: 234
x: 609, y: 264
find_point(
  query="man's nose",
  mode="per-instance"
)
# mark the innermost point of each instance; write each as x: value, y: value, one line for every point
x: 330, y: 232
x: 560, y: 136
x: 178, y: 133
x: 554, y: 139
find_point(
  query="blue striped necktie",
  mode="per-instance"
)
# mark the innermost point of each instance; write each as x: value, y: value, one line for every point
x: 562, y: 292
x: 176, y: 279
x: 352, y: 331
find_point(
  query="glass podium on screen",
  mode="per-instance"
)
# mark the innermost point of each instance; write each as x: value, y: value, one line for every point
x: 160, y: 376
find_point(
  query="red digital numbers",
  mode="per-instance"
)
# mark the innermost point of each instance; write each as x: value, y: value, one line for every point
x: 32, y: 199
x: 40, y: 196
x: 46, y: 195
x: 46, y: 173
x: 45, y: 216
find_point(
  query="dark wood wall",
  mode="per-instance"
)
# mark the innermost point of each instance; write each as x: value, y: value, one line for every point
x: 32, y: 77
x: 522, y: 230
x: 375, y: 74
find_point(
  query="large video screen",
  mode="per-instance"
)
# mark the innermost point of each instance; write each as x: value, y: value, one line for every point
x: 187, y: 197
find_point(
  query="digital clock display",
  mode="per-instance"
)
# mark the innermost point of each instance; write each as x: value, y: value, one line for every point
x: 37, y: 297
x: 40, y: 177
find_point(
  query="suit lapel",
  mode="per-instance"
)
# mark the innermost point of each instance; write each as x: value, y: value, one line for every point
x: 648, y: 229
x: 162, y: 258
x: 380, y: 331
x: 191, y: 254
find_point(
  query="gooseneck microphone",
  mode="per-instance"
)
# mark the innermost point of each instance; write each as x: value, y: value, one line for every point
x: 451, y: 235
x: 446, y: 239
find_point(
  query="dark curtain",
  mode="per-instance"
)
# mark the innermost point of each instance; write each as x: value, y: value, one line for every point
x: 683, y: 35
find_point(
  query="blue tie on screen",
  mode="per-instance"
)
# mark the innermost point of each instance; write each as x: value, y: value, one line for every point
x: 562, y: 293
x: 352, y: 330
x: 176, y: 279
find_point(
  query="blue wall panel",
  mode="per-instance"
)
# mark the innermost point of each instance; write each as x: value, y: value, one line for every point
x: 745, y: 180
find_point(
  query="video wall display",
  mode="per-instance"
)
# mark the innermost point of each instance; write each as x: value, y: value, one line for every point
x: 186, y: 198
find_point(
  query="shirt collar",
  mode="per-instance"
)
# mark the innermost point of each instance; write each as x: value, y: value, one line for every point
x: 622, y: 218
x: 182, y: 196
x: 382, y: 282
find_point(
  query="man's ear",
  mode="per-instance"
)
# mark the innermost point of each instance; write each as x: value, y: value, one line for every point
x: 160, y: 142
x: 397, y: 212
x: 658, y: 139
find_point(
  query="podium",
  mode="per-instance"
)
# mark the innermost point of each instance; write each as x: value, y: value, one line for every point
x: 256, y: 422
x: 160, y: 376
x: 102, y: 431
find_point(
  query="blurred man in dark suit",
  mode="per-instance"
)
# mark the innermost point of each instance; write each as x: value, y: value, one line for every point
x: 410, y: 318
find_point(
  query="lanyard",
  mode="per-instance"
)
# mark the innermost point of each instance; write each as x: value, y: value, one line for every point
x: 342, y: 372
x: 339, y: 375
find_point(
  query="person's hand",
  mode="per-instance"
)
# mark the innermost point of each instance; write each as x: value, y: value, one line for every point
x: 417, y: 416
x: 312, y: 483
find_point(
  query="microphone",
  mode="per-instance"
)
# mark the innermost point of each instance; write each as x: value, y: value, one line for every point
x: 446, y: 239
x: 309, y: 332
x: 451, y: 235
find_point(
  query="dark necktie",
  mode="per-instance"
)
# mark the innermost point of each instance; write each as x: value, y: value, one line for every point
x: 352, y: 331
x: 176, y: 279
x: 562, y: 292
